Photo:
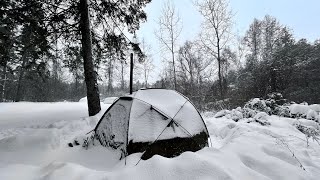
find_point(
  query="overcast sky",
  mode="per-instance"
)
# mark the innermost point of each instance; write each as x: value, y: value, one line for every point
x: 301, y: 16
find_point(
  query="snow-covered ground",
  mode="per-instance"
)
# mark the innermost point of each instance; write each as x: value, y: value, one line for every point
x: 34, y: 145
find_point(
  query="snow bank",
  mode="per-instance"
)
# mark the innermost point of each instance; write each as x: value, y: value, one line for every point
x: 40, y: 139
x: 109, y: 100
x: 315, y: 107
x: 299, y: 109
x: 270, y: 106
x: 305, y: 111
x: 239, y: 151
x: 83, y: 100
x: 35, y: 115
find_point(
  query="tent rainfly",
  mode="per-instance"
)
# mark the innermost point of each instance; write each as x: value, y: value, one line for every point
x: 152, y: 121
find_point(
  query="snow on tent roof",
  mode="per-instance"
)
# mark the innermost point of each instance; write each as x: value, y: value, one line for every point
x: 164, y: 121
x: 168, y: 101
x: 145, y: 125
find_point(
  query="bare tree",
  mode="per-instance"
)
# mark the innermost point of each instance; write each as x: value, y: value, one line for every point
x: 147, y: 64
x: 253, y: 40
x: 192, y: 72
x: 240, y: 51
x: 170, y: 27
x: 192, y: 64
x: 216, y: 30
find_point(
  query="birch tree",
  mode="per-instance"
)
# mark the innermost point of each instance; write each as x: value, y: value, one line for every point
x: 216, y: 30
x: 170, y: 27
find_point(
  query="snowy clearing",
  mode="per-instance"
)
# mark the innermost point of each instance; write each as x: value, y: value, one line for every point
x: 34, y: 145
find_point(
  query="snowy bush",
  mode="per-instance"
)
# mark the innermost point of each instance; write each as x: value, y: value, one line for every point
x: 260, y: 117
x: 306, y: 122
x: 221, y: 113
x: 274, y: 105
x: 234, y: 114
x: 309, y: 132
x: 246, y: 114
x: 249, y: 113
x: 312, y: 115
x: 275, y: 99
x: 315, y: 107
x: 299, y: 110
x: 303, y: 110
x: 283, y: 111
x: 258, y: 105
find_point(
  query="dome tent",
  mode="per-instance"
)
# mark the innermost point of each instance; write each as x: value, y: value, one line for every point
x: 153, y: 121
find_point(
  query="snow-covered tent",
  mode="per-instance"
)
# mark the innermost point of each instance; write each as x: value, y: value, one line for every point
x: 153, y: 121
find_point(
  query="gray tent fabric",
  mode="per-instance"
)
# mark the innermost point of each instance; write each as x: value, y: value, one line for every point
x: 153, y: 121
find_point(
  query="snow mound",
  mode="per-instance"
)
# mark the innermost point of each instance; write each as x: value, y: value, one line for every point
x: 109, y: 100
x: 299, y: 109
x: 311, y: 114
x: 238, y: 151
x: 234, y: 114
x: 315, y: 107
x: 262, y: 118
x: 306, y: 122
x: 39, y: 139
x: 83, y: 100
x: 305, y: 111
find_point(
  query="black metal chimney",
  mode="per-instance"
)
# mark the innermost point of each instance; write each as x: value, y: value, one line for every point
x: 131, y: 72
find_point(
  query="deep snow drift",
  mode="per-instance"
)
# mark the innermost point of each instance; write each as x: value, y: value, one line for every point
x: 34, y: 138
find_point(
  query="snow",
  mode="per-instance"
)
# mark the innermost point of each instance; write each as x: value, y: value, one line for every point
x: 113, y: 126
x: 305, y: 110
x: 147, y: 125
x: 221, y: 113
x: 255, y: 101
x: 261, y: 116
x: 34, y: 137
x: 110, y: 100
x: 28, y: 114
x: 311, y: 114
x: 315, y: 107
x: 83, y: 100
x: 168, y: 101
x: 299, y: 109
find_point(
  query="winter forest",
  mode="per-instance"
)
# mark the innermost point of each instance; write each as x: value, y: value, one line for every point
x: 159, y: 89
x: 44, y: 50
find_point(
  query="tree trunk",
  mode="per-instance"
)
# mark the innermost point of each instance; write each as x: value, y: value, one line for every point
x: 219, y: 73
x: 4, y: 79
x: 76, y: 93
x: 174, y: 72
x: 220, y: 79
x: 173, y: 63
x: 273, y: 80
x: 19, y: 88
x: 122, y: 75
x: 145, y: 77
x: 90, y: 75
x: 110, y: 79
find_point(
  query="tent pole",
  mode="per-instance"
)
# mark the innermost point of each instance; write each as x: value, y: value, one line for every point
x: 131, y: 72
